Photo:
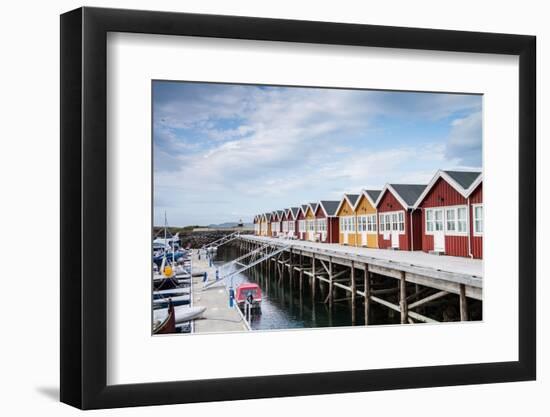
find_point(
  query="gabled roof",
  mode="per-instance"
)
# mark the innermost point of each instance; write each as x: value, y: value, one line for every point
x: 464, y: 178
x: 295, y: 211
x: 280, y: 214
x: 464, y: 182
x: 304, y: 208
x: 329, y: 207
x: 406, y: 194
x: 350, y: 198
x: 371, y: 195
x: 267, y: 216
x: 313, y: 207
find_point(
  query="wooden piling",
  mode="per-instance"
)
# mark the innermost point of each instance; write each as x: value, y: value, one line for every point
x: 463, y: 303
x: 403, y: 298
x: 367, y: 294
x: 313, y: 277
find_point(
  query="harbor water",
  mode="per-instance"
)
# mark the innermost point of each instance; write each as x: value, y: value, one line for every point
x: 284, y: 306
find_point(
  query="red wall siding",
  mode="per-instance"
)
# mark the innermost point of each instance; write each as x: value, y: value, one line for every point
x: 333, y: 230
x: 299, y: 235
x: 441, y: 195
x: 417, y: 230
x: 332, y: 233
x: 442, y: 190
x: 390, y: 203
x: 477, y: 241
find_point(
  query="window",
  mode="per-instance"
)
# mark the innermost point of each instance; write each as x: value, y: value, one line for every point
x: 393, y: 221
x: 438, y: 220
x: 451, y: 220
x: 371, y: 223
x: 285, y: 226
x: 388, y: 223
x: 302, y: 225
x: 429, y: 220
x: 362, y: 223
x: 321, y: 225
x: 478, y: 219
x: 461, y: 220
x: 291, y: 225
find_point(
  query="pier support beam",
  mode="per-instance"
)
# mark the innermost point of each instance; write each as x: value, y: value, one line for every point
x: 367, y: 294
x: 463, y: 303
x: 313, y: 277
x: 403, y: 298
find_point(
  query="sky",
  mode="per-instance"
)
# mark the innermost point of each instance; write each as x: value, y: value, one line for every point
x: 224, y: 152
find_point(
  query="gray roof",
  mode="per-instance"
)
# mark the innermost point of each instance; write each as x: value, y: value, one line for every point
x: 304, y: 207
x: 352, y: 198
x: 464, y: 178
x: 409, y: 192
x: 313, y: 206
x: 295, y: 210
x: 281, y: 212
x: 330, y: 206
x: 373, y: 194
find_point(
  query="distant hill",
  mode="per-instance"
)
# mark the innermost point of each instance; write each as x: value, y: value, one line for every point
x: 228, y: 225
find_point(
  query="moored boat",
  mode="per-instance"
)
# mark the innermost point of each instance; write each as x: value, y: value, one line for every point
x: 182, y: 313
x: 249, y: 292
x: 167, y: 324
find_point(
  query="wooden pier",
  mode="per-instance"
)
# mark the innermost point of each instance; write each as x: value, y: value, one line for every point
x: 408, y: 283
x: 218, y: 317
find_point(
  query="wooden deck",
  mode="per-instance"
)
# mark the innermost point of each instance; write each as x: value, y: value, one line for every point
x: 218, y: 317
x: 439, y: 276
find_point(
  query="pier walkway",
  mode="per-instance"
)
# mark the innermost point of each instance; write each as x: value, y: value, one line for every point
x: 422, y: 279
x: 218, y: 317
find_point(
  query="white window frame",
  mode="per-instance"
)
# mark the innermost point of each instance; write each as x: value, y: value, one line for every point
x: 285, y: 226
x: 347, y: 224
x: 371, y: 224
x: 392, y: 221
x: 302, y: 225
x: 291, y: 226
x: 322, y: 225
x: 445, y: 229
x: 474, y: 219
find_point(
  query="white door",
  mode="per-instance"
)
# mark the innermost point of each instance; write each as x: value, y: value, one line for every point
x: 345, y: 238
x: 439, y: 232
x: 394, y: 239
x: 394, y: 230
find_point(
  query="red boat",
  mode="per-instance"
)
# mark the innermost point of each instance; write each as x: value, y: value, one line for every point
x: 251, y: 292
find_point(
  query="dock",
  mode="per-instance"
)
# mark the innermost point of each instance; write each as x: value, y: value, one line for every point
x: 403, y: 281
x: 218, y: 317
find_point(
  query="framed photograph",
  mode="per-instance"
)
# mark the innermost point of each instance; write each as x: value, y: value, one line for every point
x: 261, y: 208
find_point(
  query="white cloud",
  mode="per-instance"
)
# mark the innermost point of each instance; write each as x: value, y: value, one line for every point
x: 284, y: 147
x: 465, y: 140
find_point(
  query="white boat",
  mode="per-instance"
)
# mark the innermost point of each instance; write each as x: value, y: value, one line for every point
x: 182, y: 313
x: 173, y: 292
x: 177, y: 301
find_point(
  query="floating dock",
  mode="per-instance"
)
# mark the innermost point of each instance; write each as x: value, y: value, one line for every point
x: 419, y: 279
x: 218, y: 317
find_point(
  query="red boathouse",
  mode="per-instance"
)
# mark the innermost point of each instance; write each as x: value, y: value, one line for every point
x: 327, y: 222
x: 451, y: 210
x: 399, y: 227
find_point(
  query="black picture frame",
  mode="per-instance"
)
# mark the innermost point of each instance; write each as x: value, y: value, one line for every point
x: 84, y: 207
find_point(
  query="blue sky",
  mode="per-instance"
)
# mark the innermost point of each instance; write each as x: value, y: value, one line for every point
x: 223, y: 152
